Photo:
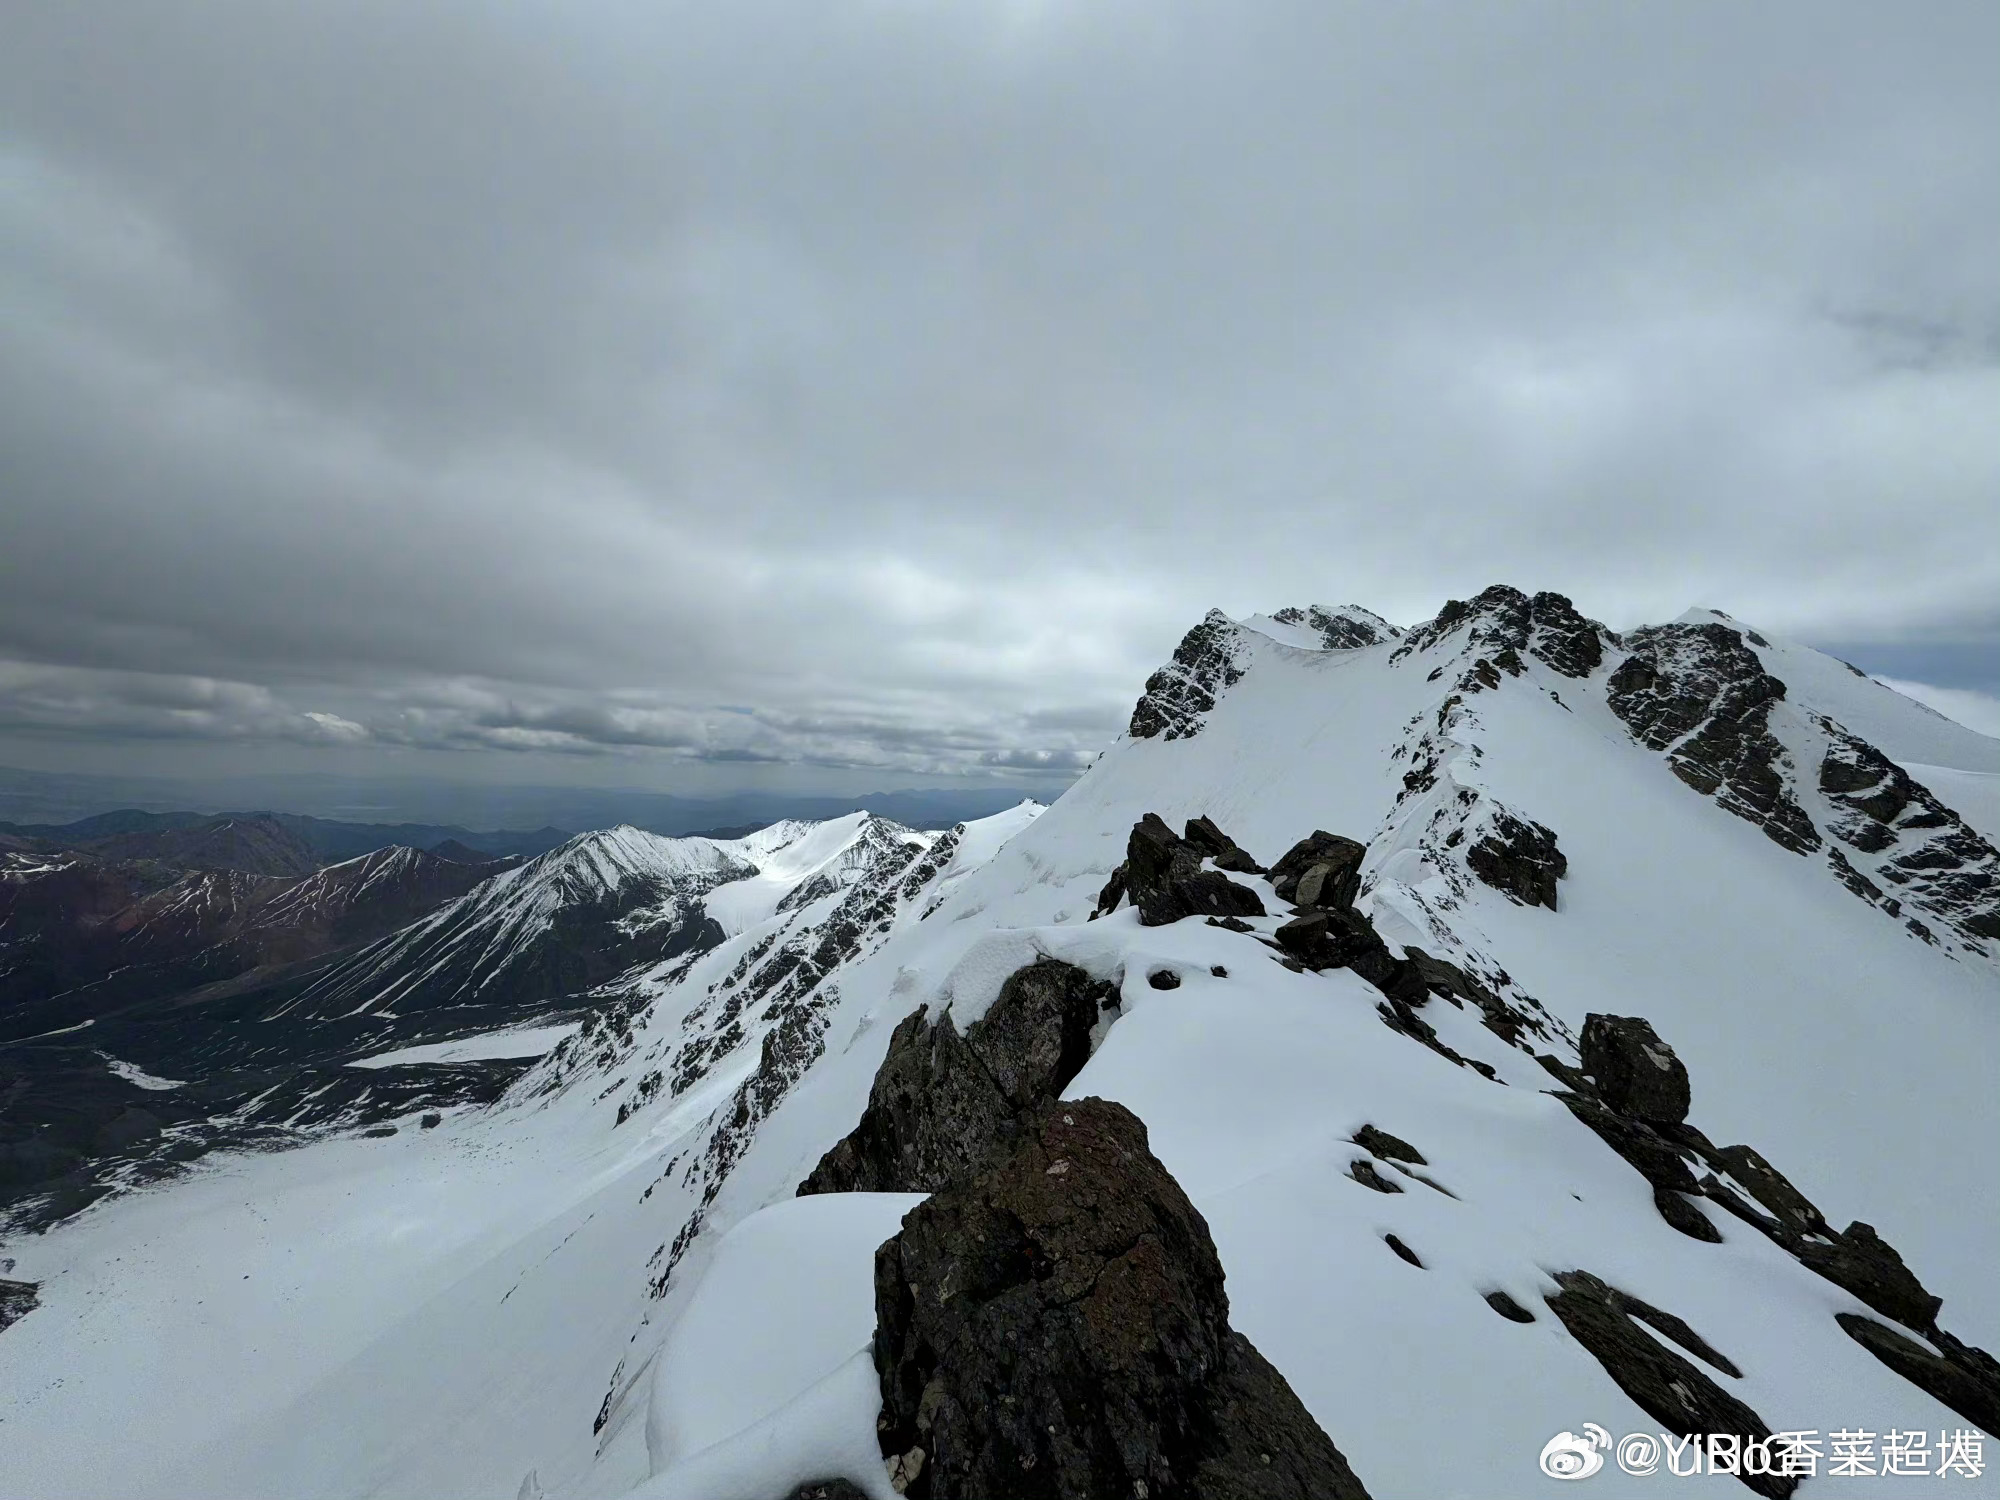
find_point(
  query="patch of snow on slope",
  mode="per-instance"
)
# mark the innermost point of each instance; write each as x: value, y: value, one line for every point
x: 521, y: 1041
x: 133, y: 1074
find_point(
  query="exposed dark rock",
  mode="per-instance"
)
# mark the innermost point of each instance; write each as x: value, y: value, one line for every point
x: 1402, y: 1250
x: 1679, y: 1210
x: 1344, y: 855
x: 1164, y: 877
x: 1519, y: 858
x: 1656, y: 1158
x: 1572, y: 1077
x: 1056, y: 1328
x: 1164, y: 979
x: 1348, y: 628
x: 1936, y: 862
x: 17, y: 1300
x: 1862, y: 1262
x: 1664, y: 1385
x: 1231, y: 924
x: 1503, y: 619
x: 1636, y: 1073
x: 942, y: 1103
x: 1112, y: 893
x: 1966, y: 1386
x: 1180, y: 695
x: 431, y: 1121
x: 1220, y: 847
x: 1717, y: 1191
x: 1697, y: 692
x: 828, y: 1489
x: 1364, y: 1172
x: 1218, y: 971
x: 1341, y: 938
x: 1769, y: 1187
x: 1388, y: 1147
x: 1508, y: 1308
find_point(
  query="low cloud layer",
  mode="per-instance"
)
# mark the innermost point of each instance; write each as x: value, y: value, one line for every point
x: 889, y: 385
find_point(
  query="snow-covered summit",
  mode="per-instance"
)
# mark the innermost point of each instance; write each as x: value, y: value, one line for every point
x: 1412, y: 1180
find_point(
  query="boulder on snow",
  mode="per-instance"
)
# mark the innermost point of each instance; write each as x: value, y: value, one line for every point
x: 1388, y: 1147
x: 1668, y: 1388
x: 1056, y: 1328
x: 1336, y: 886
x: 1860, y: 1261
x: 942, y: 1102
x: 1164, y: 878
x: 1636, y: 1073
x: 828, y: 1489
x: 1219, y: 846
x: 1679, y: 1210
x: 1519, y: 858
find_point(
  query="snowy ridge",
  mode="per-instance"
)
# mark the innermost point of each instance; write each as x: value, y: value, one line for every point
x: 645, y: 1308
x: 498, y: 934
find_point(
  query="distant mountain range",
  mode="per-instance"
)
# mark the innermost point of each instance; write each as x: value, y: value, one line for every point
x: 42, y: 798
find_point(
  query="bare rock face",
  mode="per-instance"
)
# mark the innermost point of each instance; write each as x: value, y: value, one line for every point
x: 1179, y: 696
x: 1056, y: 1328
x: 1519, y: 858
x: 1970, y: 1386
x: 1335, y: 885
x: 1703, y: 696
x: 17, y: 1299
x: 1502, y: 622
x: 1637, y: 1074
x: 1347, y: 628
x: 943, y: 1102
x: 1668, y: 1388
x: 1165, y: 880
x: 1218, y: 846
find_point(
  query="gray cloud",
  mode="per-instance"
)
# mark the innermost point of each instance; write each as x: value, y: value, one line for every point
x: 544, y: 379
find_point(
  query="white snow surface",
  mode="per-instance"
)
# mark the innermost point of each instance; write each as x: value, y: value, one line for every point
x: 471, y: 1311
x: 520, y: 1041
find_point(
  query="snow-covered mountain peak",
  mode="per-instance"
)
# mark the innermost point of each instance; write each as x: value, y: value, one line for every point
x: 1321, y: 627
x: 1440, y: 865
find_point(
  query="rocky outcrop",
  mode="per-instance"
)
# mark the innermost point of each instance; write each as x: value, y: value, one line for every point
x: 1968, y: 1387
x: 1519, y: 858
x: 1219, y: 847
x: 1164, y: 878
x: 1673, y: 1391
x: 17, y: 1300
x: 1056, y: 1328
x: 1636, y: 1073
x: 1178, y: 697
x: 1920, y: 852
x: 943, y: 1102
x: 1321, y: 870
x: 1701, y: 695
x: 1502, y: 620
x: 1347, y: 628
x: 1633, y: 1093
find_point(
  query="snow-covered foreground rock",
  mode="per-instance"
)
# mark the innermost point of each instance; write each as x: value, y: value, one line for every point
x: 604, y: 1284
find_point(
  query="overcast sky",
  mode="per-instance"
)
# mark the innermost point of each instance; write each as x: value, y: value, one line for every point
x: 653, y: 392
